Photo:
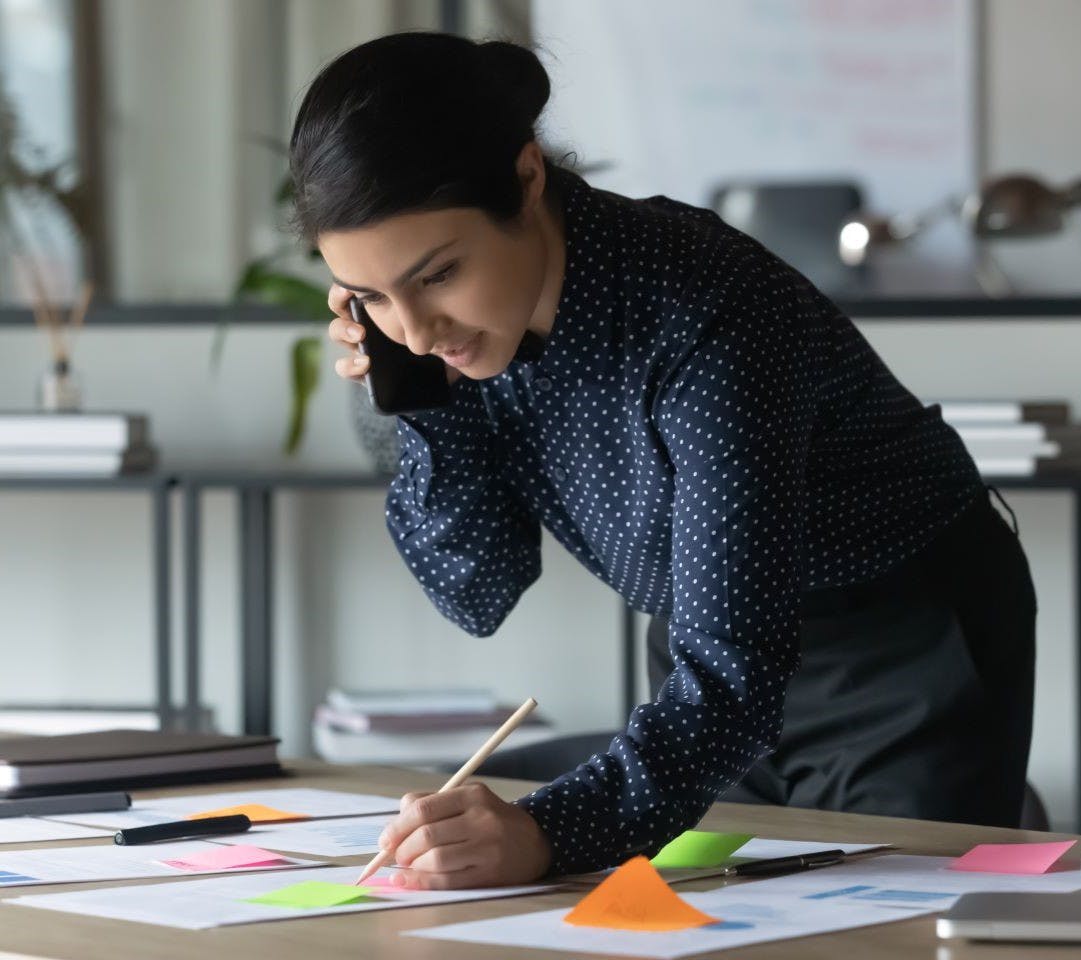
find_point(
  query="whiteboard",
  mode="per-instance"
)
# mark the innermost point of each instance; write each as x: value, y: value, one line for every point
x: 683, y: 95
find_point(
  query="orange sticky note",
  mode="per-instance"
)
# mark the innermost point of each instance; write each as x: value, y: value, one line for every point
x: 635, y: 897
x: 255, y: 812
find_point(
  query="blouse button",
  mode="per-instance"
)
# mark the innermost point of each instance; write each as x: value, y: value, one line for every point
x: 543, y: 383
x: 560, y: 474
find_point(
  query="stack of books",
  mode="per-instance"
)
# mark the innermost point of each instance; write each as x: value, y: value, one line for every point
x: 1017, y: 438
x: 121, y: 759
x: 74, y: 444
x: 426, y: 728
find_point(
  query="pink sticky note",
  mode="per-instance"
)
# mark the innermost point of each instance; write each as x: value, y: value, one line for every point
x: 226, y: 858
x: 1012, y: 857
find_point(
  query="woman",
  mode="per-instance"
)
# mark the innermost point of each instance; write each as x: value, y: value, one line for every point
x: 705, y: 432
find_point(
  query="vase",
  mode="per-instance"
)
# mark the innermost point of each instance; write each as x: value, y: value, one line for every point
x: 377, y: 433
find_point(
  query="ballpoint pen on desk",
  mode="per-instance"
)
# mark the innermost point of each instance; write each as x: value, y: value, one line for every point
x: 183, y: 829
x: 464, y: 772
x: 806, y: 861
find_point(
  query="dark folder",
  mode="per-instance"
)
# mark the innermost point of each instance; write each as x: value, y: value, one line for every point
x: 124, y: 759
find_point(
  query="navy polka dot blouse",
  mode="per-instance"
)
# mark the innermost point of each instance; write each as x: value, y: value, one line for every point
x: 707, y: 434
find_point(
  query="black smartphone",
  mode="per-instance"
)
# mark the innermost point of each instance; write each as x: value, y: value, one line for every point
x: 398, y: 380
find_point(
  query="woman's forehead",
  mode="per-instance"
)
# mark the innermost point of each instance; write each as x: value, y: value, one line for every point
x: 386, y: 250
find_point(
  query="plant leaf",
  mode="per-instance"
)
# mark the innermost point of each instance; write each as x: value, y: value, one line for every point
x: 304, y: 300
x: 307, y: 356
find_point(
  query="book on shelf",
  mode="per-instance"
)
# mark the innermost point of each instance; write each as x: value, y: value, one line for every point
x: 73, y: 431
x: 353, y: 721
x: 76, y: 462
x: 130, y: 758
x: 1027, y: 467
x: 1048, y: 412
x: 432, y: 748
x: 407, y: 702
x: 1006, y: 449
x: 1016, y: 438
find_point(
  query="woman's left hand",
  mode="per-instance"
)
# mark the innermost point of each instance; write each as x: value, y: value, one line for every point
x: 465, y: 837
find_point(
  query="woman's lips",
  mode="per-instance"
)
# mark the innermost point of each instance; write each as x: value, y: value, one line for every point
x: 463, y: 355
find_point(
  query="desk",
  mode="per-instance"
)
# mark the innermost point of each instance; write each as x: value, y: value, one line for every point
x: 255, y: 500
x: 375, y: 936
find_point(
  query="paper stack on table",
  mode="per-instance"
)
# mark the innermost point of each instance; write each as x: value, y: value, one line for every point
x: 36, y: 830
x: 222, y: 901
x: 631, y: 910
x: 858, y: 893
x: 111, y: 862
x: 344, y: 837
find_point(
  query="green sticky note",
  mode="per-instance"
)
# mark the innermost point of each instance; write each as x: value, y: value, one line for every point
x: 696, y: 849
x: 315, y: 893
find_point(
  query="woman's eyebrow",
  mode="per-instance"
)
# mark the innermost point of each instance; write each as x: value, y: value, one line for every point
x: 406, y: 275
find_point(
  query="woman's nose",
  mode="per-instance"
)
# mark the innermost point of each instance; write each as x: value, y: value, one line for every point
x: 420, y: 329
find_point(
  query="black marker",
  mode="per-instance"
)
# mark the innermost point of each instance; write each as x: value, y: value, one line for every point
x: 183, y: 829
x: 806, y: 861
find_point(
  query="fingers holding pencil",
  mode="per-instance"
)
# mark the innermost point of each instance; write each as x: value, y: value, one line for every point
x: 464, y: 836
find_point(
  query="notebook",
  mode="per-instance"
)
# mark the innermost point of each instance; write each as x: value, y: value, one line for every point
x: 1014, y: 916
x: 130, y: 758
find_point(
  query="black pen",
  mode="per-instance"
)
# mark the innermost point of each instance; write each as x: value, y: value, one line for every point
x: 806, y: 861
x: 56, y: 804
x: 183, y: 829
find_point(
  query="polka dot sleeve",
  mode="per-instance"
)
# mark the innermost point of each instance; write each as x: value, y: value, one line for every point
x: 737, y: 436
x: 471, y: 545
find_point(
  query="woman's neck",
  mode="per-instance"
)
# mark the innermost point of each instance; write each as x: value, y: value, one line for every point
x: 550, y: 225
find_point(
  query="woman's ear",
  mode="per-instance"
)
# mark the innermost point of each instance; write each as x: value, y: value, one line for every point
x: 532, y: 174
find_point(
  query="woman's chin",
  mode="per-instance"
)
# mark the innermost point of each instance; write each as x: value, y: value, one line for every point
x: 486, y: 367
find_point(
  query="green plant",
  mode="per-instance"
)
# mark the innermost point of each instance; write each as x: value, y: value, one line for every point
x: 264, y: 281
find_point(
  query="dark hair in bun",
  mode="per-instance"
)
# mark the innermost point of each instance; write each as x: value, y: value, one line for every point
x: 414, y: 121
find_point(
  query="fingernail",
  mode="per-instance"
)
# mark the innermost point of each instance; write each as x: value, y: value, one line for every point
x: 353, y: 333
x: 397, y: 880
x: 360, y: 361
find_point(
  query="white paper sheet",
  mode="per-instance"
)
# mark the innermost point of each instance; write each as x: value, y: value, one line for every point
x: 857, y: 893
x: 745, y: 915
x: 201, y: 904
x: 35, y: 830
x: 909, y: 881
x: 313, y: 803
x: 109, y: 862
x: 345, y: 837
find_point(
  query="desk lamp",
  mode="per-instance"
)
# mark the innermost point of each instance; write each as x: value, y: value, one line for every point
x: 1011, y: 206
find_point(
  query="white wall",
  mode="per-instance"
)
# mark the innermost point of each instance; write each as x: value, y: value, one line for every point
x: 74, y: 574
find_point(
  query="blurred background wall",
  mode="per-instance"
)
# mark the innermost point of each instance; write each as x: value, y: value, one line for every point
x: 188, y: 89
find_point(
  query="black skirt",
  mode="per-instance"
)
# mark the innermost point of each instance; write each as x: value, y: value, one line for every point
x: 914, y: 696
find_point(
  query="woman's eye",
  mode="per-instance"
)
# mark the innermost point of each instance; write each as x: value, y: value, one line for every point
x: 371, y: 298
x: 442, y: 276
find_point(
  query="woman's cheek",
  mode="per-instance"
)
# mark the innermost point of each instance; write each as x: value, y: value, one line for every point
x: 491, y: 306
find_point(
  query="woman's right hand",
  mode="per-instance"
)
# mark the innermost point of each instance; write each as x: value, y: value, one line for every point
x: 345, y: 333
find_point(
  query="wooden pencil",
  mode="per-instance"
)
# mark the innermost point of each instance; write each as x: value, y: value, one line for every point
x: 464, y: 772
